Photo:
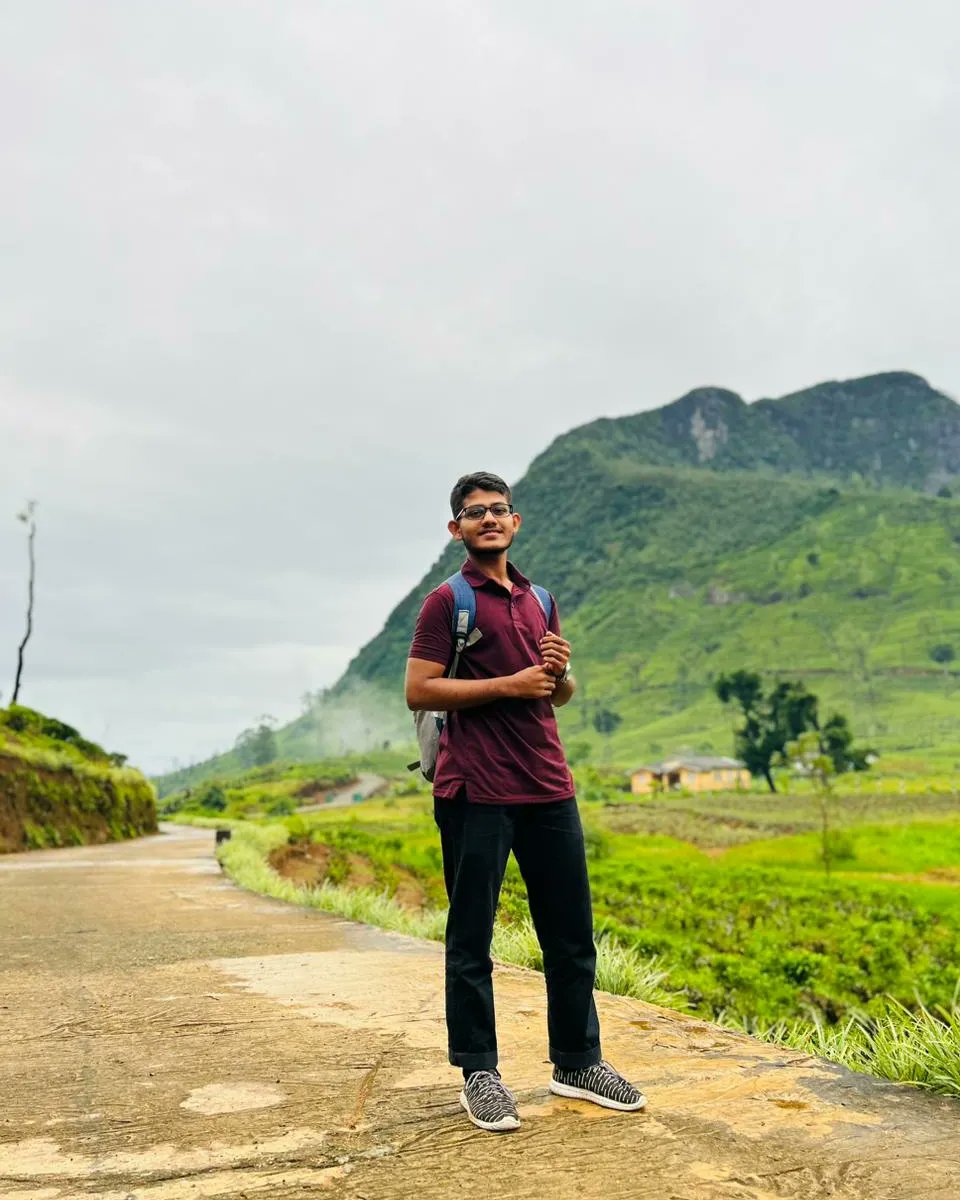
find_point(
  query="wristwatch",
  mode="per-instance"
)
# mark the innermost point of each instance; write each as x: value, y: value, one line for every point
x: 562, y: 677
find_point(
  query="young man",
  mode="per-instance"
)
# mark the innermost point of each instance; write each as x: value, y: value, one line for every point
x: 502, y: 784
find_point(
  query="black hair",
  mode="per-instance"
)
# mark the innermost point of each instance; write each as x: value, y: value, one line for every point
x: 476, y: 481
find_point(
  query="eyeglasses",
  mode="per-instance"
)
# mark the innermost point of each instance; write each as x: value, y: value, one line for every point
x: 476, y: 512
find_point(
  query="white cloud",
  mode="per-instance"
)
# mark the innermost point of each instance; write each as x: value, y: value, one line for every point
x: 275, y: 275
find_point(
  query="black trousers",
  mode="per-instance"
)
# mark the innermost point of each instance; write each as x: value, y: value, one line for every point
x: 547, y: 842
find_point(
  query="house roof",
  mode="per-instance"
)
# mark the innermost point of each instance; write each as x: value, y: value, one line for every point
x: 693, y: 762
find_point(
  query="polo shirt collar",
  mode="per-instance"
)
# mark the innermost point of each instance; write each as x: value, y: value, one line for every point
x: 477, y: 579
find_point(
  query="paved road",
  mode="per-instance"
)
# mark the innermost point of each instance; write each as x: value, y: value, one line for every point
x: 164, y: 1036
x: 364, y: 786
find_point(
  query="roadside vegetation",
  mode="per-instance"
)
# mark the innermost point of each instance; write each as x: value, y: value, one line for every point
x: 716, y: 904
x: 57, y: 788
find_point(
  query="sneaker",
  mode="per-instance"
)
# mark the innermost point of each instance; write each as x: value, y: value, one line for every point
x: 488, y: 1103
x: 599, y: 1083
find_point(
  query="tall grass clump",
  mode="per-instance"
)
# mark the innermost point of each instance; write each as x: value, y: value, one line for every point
x: 244, y: 858
x: 921, y: 1047
x: 625, y: 972
x: 376, y: 908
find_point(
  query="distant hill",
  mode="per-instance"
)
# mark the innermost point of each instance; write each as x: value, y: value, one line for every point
x: 813, y: 536
x: 354, y: 716
x: 893, y: 430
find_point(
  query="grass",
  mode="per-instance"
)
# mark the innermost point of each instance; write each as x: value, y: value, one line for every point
x: 725, y: 819
x: 728, y: 915
x: 67, y: 760
x: 919, y: 1047
x: 772, y: 940
x: 900, y: 849
x: 244, y: 858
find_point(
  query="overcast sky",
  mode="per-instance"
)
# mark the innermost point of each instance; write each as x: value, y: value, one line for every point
x: 274, y: 274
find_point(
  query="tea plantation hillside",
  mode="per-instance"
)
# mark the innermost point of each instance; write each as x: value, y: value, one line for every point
x: 711, y: 534
x: 814, y: 536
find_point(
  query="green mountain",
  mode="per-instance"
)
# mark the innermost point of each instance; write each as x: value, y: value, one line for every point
x: 893, y: 430
x: 812, y: 536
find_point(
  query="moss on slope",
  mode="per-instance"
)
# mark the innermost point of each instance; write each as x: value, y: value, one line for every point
x: 57, y: 789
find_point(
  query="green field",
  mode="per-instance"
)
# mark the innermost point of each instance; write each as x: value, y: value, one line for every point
x: 717, y: 904
x: 728, y: 890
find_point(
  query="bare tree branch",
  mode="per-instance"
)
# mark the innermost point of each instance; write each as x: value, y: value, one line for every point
x: 28, y: 518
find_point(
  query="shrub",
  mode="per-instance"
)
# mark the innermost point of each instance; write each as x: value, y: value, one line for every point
x: 296, y: 828
x: 283, y: 806
x: 596, y: 842
x: 211, y: 797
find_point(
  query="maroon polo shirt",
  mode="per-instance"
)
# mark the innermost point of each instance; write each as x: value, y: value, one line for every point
x: 508, y: 751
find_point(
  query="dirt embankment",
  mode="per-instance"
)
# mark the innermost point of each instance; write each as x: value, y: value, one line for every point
x: 45, y: 806
x: 308, y: 864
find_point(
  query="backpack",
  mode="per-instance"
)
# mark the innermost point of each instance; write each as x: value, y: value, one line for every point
x: 429, y: 725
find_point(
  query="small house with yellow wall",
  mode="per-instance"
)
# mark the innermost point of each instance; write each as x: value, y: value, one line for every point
x: 697, y: 773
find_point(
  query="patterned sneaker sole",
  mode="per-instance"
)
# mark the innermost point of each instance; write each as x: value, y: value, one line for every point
x: 572, y: 1093
x: 504, y: 1125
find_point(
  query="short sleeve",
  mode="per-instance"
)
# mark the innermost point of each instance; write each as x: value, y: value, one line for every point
x: 433, y: 636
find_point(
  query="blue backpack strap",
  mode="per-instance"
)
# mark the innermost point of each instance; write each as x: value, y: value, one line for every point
x: 545, y: 600
x: 464, y: 613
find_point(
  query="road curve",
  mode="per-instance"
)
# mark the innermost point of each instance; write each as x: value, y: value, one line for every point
x: 165, y: 1036
x: 361, y: 788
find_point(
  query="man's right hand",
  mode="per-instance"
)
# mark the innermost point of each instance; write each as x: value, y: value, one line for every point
x: 533, y: 683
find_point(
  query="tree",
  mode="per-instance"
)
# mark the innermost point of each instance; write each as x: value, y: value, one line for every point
x: 258, y: 746
x: 768, y: 722
x: 944, y: 654
x: 28, y: 518
x: 808, y: 757
x: 212, y: 797
x: 836, y: 740
x: 312, y: 700
x: 605, y: 721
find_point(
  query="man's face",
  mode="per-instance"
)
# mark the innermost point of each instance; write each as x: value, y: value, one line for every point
x: 488, y: 535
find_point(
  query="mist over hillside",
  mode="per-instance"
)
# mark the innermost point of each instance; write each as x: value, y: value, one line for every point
x: 816, y: 535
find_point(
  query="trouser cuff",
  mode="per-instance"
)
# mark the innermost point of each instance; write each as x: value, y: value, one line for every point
x: 484, y: 1061
x: 574, y: 1060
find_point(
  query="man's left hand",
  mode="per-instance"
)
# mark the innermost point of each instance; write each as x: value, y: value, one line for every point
x: 556, y: 653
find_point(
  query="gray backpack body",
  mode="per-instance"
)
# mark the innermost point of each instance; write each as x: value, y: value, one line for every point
x: 429, y: 725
